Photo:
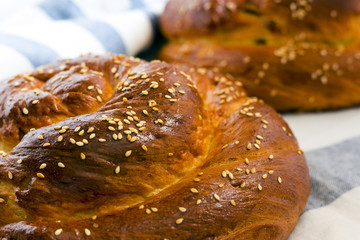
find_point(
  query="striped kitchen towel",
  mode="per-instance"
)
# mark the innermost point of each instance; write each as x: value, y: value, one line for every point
x: 43, y: 31
x: 331, y: 141
x: 36, y: 32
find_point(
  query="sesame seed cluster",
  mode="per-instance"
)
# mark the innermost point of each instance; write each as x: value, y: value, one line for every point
x: 145, y: 150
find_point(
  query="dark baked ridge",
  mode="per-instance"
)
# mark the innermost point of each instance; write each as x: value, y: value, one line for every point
x: 294, y: 56
x: 198, y: 147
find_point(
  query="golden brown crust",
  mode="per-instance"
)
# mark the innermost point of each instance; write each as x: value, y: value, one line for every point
x: 296, y: 55
x: 217, y: 164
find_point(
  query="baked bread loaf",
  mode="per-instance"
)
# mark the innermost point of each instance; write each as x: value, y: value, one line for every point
x: 111, y: 147
x: 294, y: 54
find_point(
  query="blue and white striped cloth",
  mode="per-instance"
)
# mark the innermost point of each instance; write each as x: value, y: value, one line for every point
x: 36, y: 32
x: 46, y: 30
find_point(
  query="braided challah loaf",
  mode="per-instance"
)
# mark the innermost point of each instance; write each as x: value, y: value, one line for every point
x: 111, y: 147
x: 294, y: 54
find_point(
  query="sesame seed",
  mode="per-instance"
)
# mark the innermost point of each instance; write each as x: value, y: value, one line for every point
x: 102, y: 140
x: 271, y: 172
x: 200, y: 173
x: 170, y: 154
x: 224, y: 174
x: 182, y: 209
x: 253, y: 170
x: 2, y: 200
x: 148, y: 211
x: 154, y: 209
x: 80, y: 144
x: 40, y: 175
x: 179, y: 220
x: 82, y: 156
x: 259, y: 187
x: 112, y: 122
x: 25, y: 111
x: 271, y: 157
x: 40, y: 137
x: 10, y: 175
x: 114, y: 136
x: 259, y: 137
x: 144, y: 148
x: 216, y: 197
x: 194, y: 190
x: 42, y: 166
x: 60, y: 165
x: 256, y: 146
x: 232, y: 202
x: 57, y: 127
x: 19, y: 161
x: 196, y: 179
x: 248, y: 146
x: 99, y: 91
x: 77, y: 129
x: 63, y: 130
x: 58, y: 231
x: 98, y: 98
x: 92, y: 136
x: 264, y: 176
x: 237, y: 142
x: 117, y: 170
x: 198, y: 201
x: 81, y: 132
x: 128, y: 153
x: 85, y: 141
x: 90, y: 130
x: 243, y: 184
x: 111, y: 128
x: 279, y: 180
x: 225, y: 146
x: 247, y: 161
x: 46, y: 144
x: 87, y: 232
x: 35, y: 101
x: 141, y: 206
x: 119, y: 136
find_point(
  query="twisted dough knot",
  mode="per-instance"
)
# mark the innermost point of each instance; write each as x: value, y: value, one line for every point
x: 294, y: 54
x: 126, y: 149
